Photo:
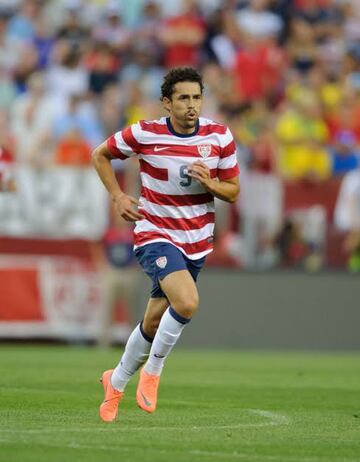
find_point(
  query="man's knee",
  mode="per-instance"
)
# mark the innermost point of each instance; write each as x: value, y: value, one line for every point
x: 186, y: 306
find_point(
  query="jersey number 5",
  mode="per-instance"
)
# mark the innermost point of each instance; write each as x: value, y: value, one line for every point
x: 186, y: 181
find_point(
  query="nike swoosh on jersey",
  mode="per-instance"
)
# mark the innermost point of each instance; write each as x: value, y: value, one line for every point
x: 160, y: 148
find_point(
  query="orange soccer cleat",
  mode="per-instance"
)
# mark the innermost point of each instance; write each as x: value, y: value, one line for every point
x: 109, y: 407
x: 146, y: 393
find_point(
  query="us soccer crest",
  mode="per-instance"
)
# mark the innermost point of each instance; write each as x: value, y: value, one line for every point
x: 204, y: 150
x: 161, y: 262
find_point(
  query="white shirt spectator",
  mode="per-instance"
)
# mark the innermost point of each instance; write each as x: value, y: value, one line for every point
x: 32, y: 122
x: 259, y: 24
x: 63, y: 82
x: 10, y: 49
x: 32, y: 118
x: 347, y: 210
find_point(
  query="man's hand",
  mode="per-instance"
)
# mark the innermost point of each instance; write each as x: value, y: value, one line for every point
x: 124, y: 206
x: 200, y: 172
x: 226, y: 190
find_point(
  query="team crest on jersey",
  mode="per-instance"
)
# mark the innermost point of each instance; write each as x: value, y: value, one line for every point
x: 161, y: 262
x: 204, y: 150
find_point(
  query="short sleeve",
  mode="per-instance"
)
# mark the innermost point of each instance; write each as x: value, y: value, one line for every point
x: 125, y: 143
x: 228, y: 166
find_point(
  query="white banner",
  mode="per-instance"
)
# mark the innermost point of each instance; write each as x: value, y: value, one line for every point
x: 60, y: 202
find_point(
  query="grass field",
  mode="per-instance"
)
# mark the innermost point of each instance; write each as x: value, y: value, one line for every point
x: 213, y: 406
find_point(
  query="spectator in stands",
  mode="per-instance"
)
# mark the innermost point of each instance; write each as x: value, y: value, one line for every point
x: 351, y: 29
x: 32, y: 117
x: 301, y: 46
x: 10, y: 48
x: 262, y: 197
x: 113, y: 257
x: 147, y: 27
x: 8, y: 187
x: 136, y: 106
x: 7, y: 170
x: 113, y: 31
x: 72, y: 30
x: 302, y: 136
x: 43, y: 42
x: 347, y: 217
x: 289, y: 244
x: 331, y: 93
x: 80, y: 115
x: 316, y: 14
x: 250, y: 63
x: 258, y: 70
x: 182, y: 37
x: 345, y: 155
x: 222, y: 38
x: 73, y: 180
x: 22, y: 24
x: 259, y: 21
x: 27, y: 65
x: 143, y: 69
x: 67, y: 75
x: 103, y: 66
x: 7, y: 89
x: 73, y: 150
x: 263, y: 152
x: 33, y: 114
x: 345, y: 117
x: 333, y: 47
x: 111, y: 109
x: 353, y: 68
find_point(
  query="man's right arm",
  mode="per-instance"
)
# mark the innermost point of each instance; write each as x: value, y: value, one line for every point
x: 123, y: 203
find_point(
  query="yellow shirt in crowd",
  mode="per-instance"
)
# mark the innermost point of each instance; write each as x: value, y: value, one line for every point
x: 302, y: 152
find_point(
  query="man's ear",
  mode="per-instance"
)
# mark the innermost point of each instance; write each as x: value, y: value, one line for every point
x: 166, y: 103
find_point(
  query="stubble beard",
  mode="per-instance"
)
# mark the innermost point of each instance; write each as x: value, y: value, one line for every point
x: 189, y: 123
x: 186, y: 124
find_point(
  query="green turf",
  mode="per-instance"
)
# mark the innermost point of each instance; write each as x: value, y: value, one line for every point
x: 213, y: 406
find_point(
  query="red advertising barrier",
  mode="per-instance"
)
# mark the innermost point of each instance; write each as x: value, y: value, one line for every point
x: 54, y: 297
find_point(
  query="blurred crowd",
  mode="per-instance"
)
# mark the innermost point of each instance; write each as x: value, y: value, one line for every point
x: 284, y: 75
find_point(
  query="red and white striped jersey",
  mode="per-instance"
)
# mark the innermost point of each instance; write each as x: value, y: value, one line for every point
x: 176, y: 207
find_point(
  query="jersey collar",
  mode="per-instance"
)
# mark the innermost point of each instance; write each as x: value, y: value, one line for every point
x: 181, y: 135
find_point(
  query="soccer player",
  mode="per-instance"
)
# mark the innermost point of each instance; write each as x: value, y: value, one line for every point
x: 185, y: 161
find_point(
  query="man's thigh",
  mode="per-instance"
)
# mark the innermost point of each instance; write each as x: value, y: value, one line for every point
x: 180, y: 289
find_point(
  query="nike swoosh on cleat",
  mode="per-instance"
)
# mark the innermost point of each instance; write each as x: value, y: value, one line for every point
x: 160, y: 148
x: 146, y: 401
x: 111, y: 399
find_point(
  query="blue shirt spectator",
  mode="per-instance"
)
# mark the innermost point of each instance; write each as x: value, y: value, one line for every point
x: 345, y: 156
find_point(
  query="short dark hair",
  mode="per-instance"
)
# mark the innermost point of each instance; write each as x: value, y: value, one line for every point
x: 179, y: 74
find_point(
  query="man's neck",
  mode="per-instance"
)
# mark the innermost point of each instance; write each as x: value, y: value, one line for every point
x: 182, y: 130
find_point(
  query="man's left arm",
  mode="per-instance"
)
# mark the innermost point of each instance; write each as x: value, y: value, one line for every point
x: 227, y: 190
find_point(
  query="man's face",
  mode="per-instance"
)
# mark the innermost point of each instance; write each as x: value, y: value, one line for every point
x: 185, y: 104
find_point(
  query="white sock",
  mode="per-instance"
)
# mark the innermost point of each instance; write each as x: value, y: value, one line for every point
x: 168, y: 333
x: 136, y: 352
